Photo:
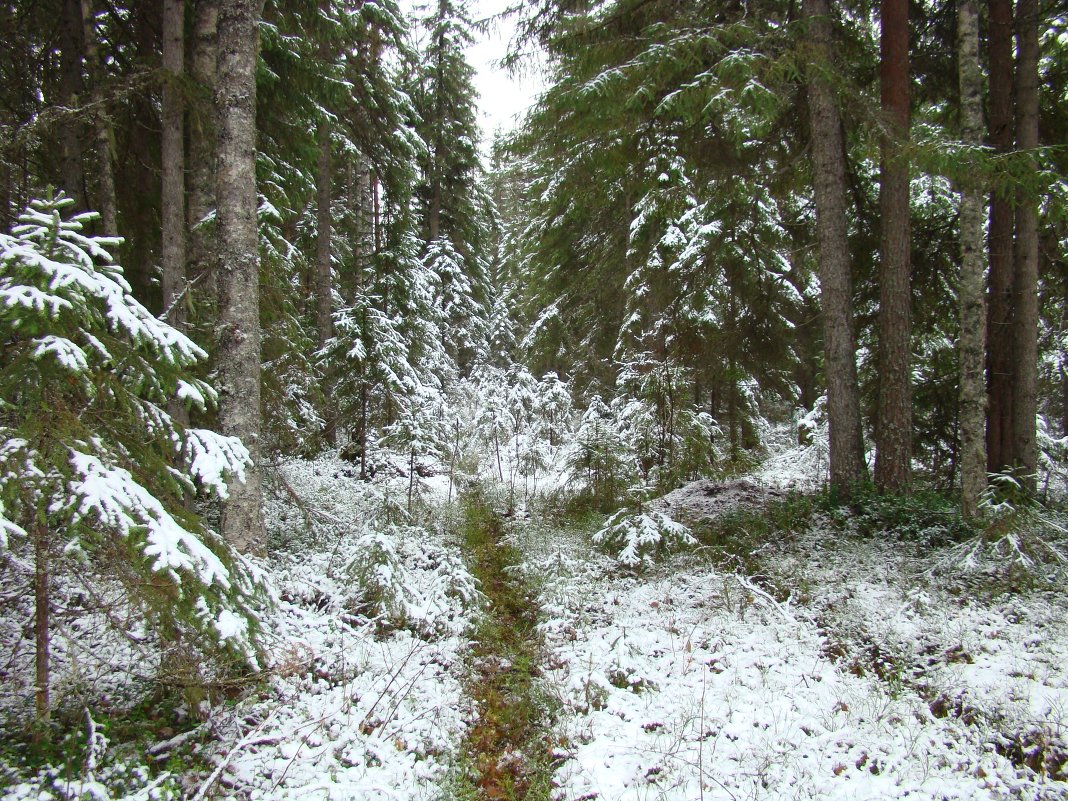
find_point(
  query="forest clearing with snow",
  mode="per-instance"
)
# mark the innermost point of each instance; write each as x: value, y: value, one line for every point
x: 791, y: 651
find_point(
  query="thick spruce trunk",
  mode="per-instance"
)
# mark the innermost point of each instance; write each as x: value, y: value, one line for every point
x: 893, y: 433
x: 999, y: 322
x: 1025, y: 279
x: 972, y: 337
x: 238, y: 280
x: 836, y: 283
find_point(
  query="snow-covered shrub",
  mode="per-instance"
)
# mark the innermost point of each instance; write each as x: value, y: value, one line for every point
x: 806, y: 461
x: 405, y: 581
x: 380, y: 577
x: 635, y: 539
x: 95, y: 473
x: 105, y: 774
x: 673, y: 440
x: 601, y: 461
x: 1052, y: 462
x: 461, y: 315
x: 554, y: 408
x: 1023, y: 540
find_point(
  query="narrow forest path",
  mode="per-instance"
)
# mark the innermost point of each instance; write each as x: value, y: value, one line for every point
x: 508, y: 748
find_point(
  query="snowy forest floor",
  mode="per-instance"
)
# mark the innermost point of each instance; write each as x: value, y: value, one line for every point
x: 458, y: 653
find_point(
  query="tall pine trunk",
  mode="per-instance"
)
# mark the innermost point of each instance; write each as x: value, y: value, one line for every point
x: 106, y: 203
x: 201, y: 149
x: 999, y: 338
x: 1025, y: 279
x: 836, y: 283
x: 893, y: 432
x: 173, y: 163
x: 324, y: 274
x: 971, y: 292
x: 238, y: 280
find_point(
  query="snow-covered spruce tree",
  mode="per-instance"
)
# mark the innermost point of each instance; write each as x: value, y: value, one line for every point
x: 463, y: 317
x: 601, y: 460
x: 95, y: 474
x: 456, y: 209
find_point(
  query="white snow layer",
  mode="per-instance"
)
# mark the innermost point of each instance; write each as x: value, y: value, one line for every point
x: 688, y: 683
x: 356, y: 707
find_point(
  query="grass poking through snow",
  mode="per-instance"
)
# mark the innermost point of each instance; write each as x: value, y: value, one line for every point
x: 508, y: 749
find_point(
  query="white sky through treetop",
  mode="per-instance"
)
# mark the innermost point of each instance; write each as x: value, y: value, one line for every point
x: 502, y: 97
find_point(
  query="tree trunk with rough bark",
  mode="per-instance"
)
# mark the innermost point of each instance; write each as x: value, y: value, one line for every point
x: 172, y: 147
x: 971, y: 341
x: 999, y: 321
x: 238, y: 280
x: 1025, y: 279
x: 893, y: 431
x: 836, y: 283
x: 106, y: 203
x: 42, y: 622
x: 72, y: 49
x: 324, y: 273
x: 324, y: 279
x: 365, y: 219
x: 201, y: 146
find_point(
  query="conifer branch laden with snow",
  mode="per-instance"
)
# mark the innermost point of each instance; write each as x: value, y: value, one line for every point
x: 95, y: 473
x: 636, y: 539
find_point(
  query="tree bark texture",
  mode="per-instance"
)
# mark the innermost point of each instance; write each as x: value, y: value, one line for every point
x: 1025, y: 279
x: 70, y: 89
x: 365, y: 220
x: 836, y: 283
x: 238, y: 284
x: 971, y: 341
x: 42, y: 622
x: 201, y: 146
x: 999, y: 355
x: 893, y: 446
x: 324, y: 272
x: 324, y: 279
x: 172, y: 199
x: 106, y: 203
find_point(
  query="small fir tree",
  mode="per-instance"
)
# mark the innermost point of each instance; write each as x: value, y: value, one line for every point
x: 95, y: 473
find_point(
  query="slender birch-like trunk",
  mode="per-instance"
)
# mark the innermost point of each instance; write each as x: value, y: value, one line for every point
x: 972, y: 339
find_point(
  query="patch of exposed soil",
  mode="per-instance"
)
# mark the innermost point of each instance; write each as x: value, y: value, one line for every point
x: 705, y: 500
